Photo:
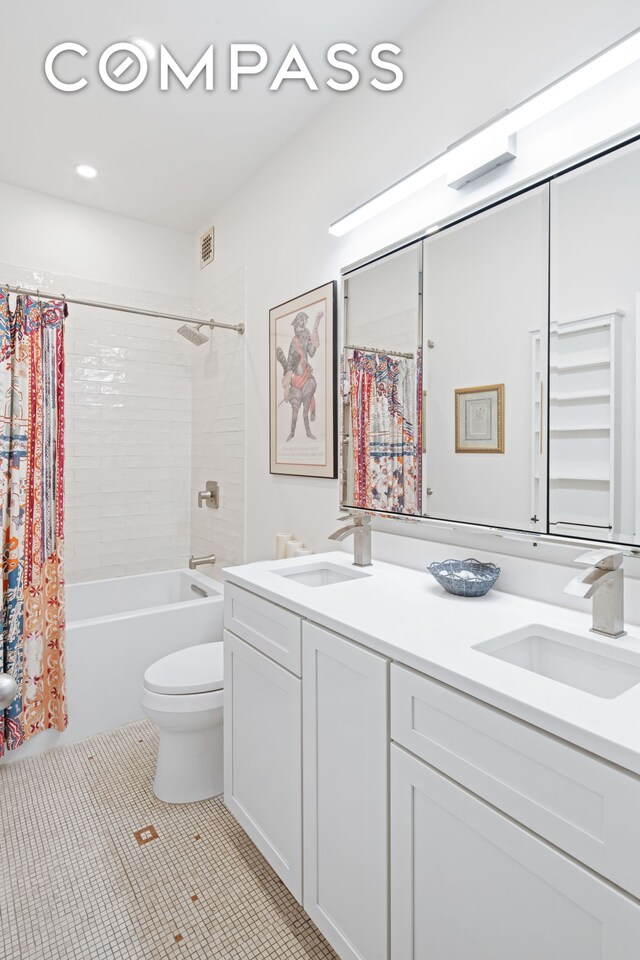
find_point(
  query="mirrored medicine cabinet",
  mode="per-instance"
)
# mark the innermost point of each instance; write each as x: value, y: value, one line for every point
x: 491, y: 370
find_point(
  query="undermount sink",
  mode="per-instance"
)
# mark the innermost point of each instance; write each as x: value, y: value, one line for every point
x: 321, y: 574
x: 579, y: 662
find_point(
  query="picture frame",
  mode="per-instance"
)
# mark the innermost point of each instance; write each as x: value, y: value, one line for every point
x: 480, y: 419
x: 303, y: 384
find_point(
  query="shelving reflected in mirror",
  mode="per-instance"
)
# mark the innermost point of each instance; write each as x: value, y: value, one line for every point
x: 594, y: 427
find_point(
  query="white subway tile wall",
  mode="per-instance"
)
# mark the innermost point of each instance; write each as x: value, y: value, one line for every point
x: 128, y: 439
x: 149, y: 418
x: 218, y: 426
x: 128, y: 430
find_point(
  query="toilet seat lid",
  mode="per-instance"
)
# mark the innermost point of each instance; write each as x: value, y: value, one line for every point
x: 196, y: 669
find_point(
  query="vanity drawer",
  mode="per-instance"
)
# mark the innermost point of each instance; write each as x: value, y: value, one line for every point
x: 582, y: 805
x: 274, y: 631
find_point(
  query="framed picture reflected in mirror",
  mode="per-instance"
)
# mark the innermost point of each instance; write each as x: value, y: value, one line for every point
x: 480, y: 419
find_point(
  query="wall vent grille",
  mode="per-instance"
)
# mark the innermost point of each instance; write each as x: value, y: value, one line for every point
x: 207, y: 248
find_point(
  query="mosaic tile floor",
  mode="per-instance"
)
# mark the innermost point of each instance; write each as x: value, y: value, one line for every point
x: 94, y: 867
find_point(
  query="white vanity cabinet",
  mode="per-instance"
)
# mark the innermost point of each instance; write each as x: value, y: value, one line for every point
x: 263, y: 730
x: 474, y: 796
x: 467, y: 882
x: 307, y: 740
x: 413, y: 821
x: 345, y: 790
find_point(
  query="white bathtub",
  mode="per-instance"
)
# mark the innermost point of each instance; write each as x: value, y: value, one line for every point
x: 115, y: 629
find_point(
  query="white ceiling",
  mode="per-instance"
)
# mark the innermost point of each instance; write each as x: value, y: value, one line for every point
x: 167, y: 158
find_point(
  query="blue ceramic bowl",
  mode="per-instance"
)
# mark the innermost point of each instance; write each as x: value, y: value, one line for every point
x: 465, y: 578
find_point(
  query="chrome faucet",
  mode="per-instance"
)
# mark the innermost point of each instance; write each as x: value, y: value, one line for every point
x: 361, y: 530
x: 604, y: 581
x: 200, y: 561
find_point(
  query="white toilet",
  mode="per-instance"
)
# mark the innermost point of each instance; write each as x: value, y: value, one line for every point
x: 182, y: 694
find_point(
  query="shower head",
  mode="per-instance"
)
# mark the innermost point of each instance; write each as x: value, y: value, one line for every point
x: 192, y: 334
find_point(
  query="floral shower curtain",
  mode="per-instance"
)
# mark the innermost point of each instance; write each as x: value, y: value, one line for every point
x: 385, y: 427
x: 31, y: 501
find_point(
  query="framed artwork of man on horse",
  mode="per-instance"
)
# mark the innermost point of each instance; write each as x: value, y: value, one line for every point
x: 303, y: 384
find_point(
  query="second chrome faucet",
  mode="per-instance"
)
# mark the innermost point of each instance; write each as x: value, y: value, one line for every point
x: 603, y: 582
x: 360, y: 528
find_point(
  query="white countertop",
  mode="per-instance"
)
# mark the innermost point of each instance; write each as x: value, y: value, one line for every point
x: 406, y: 616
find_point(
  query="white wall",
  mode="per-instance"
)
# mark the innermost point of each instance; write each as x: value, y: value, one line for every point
x: 128, y: 379
x: 465, y: 62
x: 128, y: 442
x: 50, y: 237
x: 218, y: 415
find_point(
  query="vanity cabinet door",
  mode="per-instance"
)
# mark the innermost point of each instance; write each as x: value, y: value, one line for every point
x: 584, y: 806
x: 262, y: 756
x: 269, y: 628
x: 466, y: 882
x: 345, y: 790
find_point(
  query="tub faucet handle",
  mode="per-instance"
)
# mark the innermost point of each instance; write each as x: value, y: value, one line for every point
x: 210, y: 495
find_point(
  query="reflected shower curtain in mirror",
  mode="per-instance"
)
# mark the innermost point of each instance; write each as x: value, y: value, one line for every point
x: 385, y: 426
x: 31, y: 448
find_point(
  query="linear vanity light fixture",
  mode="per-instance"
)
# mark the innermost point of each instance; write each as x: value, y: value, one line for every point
x: 494, y: 143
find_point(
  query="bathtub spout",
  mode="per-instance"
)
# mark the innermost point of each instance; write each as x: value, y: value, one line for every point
x: 200, y: 561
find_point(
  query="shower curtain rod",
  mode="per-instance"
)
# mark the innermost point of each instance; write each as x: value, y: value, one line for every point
x: 389, y: 353
x: 103, y: 305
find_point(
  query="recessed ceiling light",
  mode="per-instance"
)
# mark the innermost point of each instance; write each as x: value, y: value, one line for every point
x: 86, y: 171
x: 147, y: 48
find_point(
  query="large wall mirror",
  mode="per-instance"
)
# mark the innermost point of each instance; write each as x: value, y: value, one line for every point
x: 491, y: 370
